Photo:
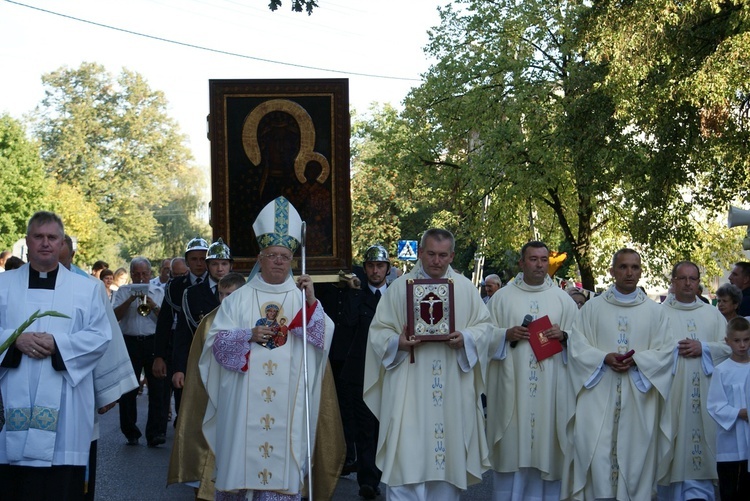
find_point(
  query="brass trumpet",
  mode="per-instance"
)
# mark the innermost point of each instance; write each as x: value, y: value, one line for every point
x: 143, y: 308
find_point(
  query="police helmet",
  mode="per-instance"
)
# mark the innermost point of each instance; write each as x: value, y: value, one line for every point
x: 376, y: 254
x: 219, y: 250
x: 196, y: 244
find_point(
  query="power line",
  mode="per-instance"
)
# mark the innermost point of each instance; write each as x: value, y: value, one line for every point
x: 208, y: 49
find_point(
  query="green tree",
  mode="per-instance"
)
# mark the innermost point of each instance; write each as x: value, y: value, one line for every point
x: 22, y: 184
x: 390, y: 201
x: 517, y: 111
x: 178, y: 225
x: 113, y: 140
x: 692, y: 51
x: 378, y: 202
x: 679, y: 72
x: 95, y: 239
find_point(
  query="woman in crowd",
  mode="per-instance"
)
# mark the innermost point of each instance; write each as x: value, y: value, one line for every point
x: 108, y: 277
x: 728, y: 299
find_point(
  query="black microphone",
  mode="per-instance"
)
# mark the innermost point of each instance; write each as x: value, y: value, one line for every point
x: 526, y: 321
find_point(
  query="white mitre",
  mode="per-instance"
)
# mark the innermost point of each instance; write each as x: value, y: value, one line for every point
x: 278, y: 224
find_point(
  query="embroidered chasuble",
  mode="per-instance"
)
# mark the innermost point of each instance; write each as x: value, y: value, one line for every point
x: 192, y: 460
x: 528, y: 402
x: 49, y: 412
x: 619, y: 439
x: 693, y: 431
x: 430, y: 412
x: 255, y: 416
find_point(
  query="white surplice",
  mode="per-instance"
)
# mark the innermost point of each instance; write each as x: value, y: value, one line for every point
x: 727, y: 395
x: 113, y: 374
x: 49, y: 413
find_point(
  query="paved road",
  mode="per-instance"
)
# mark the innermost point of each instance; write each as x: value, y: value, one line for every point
x: 138, y: 473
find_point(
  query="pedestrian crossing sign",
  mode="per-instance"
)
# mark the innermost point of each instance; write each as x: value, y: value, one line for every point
x: 407, y: 250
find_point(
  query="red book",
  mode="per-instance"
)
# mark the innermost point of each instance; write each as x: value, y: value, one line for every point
x: 543, y: 346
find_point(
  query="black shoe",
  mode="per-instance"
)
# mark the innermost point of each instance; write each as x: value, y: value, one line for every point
x: 133, y: 441
x: 157, y: 440
x: 368, y: 492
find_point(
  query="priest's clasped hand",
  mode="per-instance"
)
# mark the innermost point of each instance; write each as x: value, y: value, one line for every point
x: 689, y: 348
x: 619, y: 365
x: 37, y: 345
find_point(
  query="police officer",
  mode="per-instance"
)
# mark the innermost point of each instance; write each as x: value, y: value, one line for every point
x: 377, y: 266
x: 195, y: 257
x: 198, y: 301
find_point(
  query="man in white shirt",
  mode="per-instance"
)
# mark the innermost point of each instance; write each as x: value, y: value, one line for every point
x: 4, y: 255
x: 164, y: 270
x: 137, y: 309
x: 492, y: 284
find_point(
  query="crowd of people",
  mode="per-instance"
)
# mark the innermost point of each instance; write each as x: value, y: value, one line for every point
x: 414, y: 382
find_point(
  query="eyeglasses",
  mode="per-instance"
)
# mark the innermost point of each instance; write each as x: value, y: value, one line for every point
x: 277, y: 257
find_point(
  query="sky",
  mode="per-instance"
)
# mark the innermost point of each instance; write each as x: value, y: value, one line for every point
x: 376, y: 44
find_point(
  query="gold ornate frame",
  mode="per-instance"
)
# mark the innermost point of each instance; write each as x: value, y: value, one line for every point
x: 431, y: 309
x: 282, y: 137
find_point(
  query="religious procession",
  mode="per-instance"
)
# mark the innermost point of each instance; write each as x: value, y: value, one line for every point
x: 416, y: 383
x: 517, y: 284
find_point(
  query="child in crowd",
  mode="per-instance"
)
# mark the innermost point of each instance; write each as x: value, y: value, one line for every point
x: 727, y: 404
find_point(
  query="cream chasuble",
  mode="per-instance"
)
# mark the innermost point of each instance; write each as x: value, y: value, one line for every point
x: 693, y: 440
x: 528, y: 402
x: 617, y: 435
x: 430, y: 412
x: 255, y: 420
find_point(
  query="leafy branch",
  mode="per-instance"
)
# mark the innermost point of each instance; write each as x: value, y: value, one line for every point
x: 33, y: 318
